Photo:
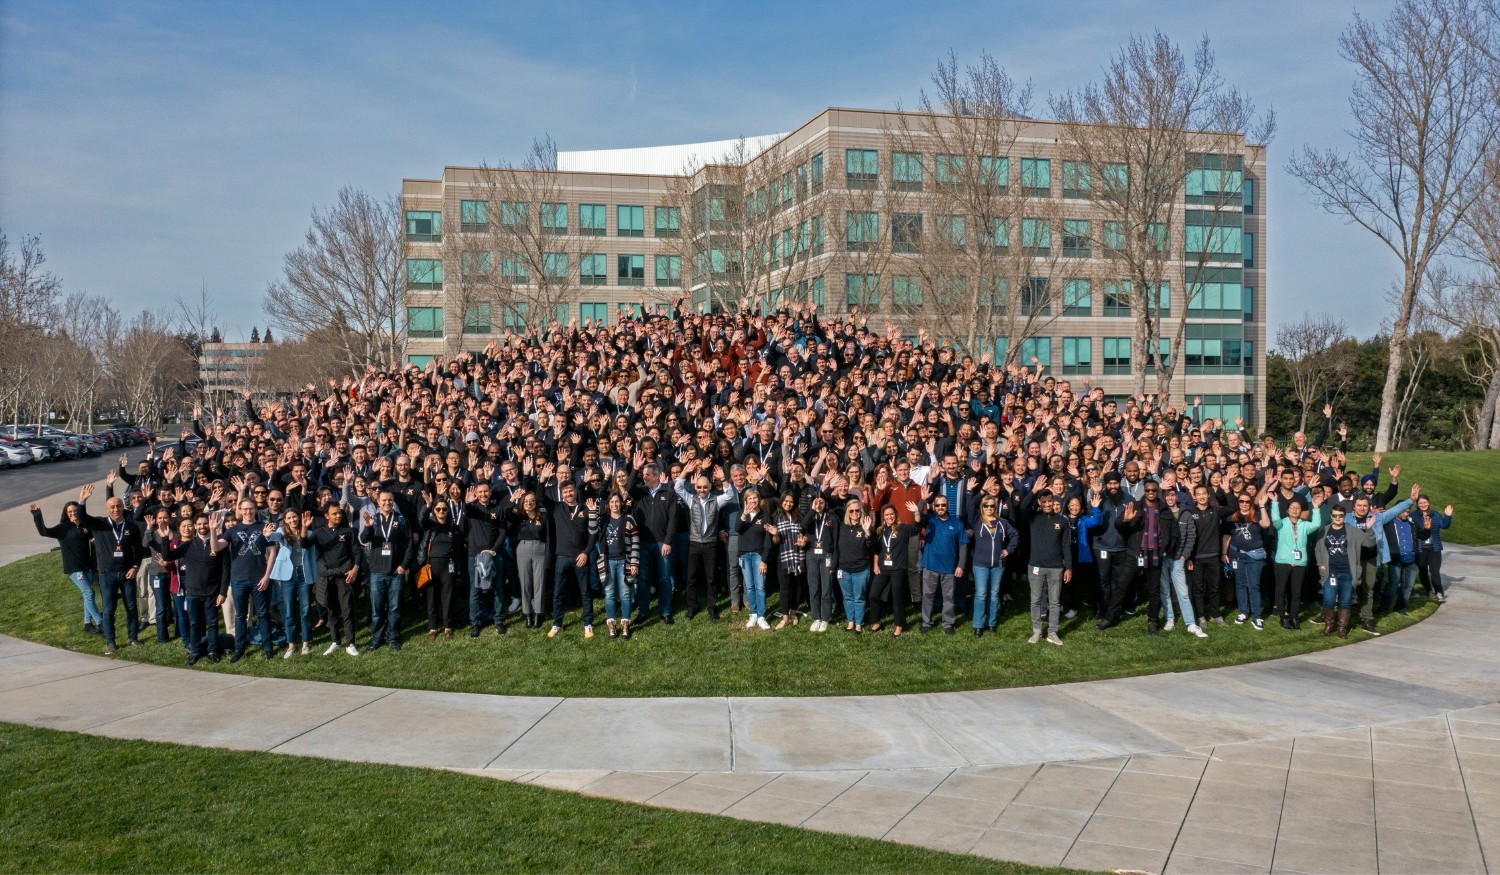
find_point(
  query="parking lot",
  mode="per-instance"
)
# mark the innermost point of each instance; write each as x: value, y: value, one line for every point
x: 23, y: 484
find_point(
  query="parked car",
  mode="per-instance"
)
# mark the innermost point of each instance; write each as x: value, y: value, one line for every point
x: 15, y: 456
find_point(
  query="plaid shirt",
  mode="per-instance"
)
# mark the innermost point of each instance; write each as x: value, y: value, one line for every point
x: 792, y: 559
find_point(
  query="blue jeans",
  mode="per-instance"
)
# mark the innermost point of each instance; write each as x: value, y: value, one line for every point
x: 483, y: 603
x: 385, y: 608
x: 1174, y: 580
x: 853, y: 584
x: 161, y: 588
x: 113, y: 586
x: 1338, y: 590
x: 987, y: 585
x: 655, y: 569
x: 84, y: 580
x: 202, y: 635
x: 1399, y: 580
x: 1247, y: 585
x: 296, y: 607
x: 179, y: 606
x: 754, y: 582
x: 616, y: 591
x: 247, y: 594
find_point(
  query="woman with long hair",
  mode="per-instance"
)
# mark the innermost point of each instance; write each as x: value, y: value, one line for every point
x: 618, y: 563
x: 77, y: 555
x: 1293, y: 534
x: 758, y: 536
x: 889, y: 577
x: 1244, y: 552
x: 531, y: 555
x: 294, y: 572
x: 791, y: 559
x: 443, y: 552
x: 854, y: 560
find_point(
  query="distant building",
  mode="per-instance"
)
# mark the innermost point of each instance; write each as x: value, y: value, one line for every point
x: 227, y: 367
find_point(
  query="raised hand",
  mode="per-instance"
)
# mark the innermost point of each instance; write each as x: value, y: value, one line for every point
x: 1327, y: 411
x: 268, y: 530
x: 109, y: 479
x: 1395, y: 473
x: 122, y: 460
x: 1375, y: 459
x: 1448, y: 511
x: 1416, y: 492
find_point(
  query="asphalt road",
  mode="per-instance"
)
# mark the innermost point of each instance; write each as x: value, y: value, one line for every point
x: 21, y: 486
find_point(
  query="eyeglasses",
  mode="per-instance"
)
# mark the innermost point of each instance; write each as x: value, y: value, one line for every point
x: 1244, y: 501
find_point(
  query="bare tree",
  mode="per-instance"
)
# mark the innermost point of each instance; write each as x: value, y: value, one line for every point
x: 151, y: 368
x: 28, y: 305
x: 86, y: 328
x: 1309, y: 346
x: 347, y: 276
x: 1156, y: 132
x: 1471, y: 307
x: 1426, y: 109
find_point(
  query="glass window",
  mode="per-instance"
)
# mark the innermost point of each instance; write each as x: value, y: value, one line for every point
x: 1249, y: 195
x: 1039, y: 348
x: 477, y: 318
x: 815, y: 292
x: 953, y: 229
x: 862, y: 290
x: 555, y: 265
x: 424, y: 321
x: 1076, y: 179
x: 1117, y: 297
x: 1036, y: 297
x: 994, y: 171
x: 630, y: 221
x: 997, y: 234
x: 1249, y: 249
x: 668, y: 221
x: 591, y: 269
x: 906, y: 291
x: 594, y: 310
x: 513, y: 316
x: 554, y: 218
x: 669, y: 270
x: 419, y: 361
x: 630, y: 270
x: 1077, y: 242
x: 1213, y: 179
x: 1213, y: 348
x: 816, y: 224
x: 1216, y: 293
x: 1002, y: 345
x: 424, y: 225
x: 1036, y: 176
x: 512, y: 214
x: 861, y: 167
x: 948, y: 169
x: 801, y: 181
x: 906, y: 232
x: 906, y: 170
x: 424, y: 273
x: 816, y: 170
x: 1078, y: 355
x: 1036, y: 236
x: 591, y: 220
x: 1078, y: 298
x: 862, y: 230
x: 1116, y: 355
x: 474, y: 263
x: 1248, y: 303
x: 1114, y: 236
x: 473, y: 216
x: 514, y: 269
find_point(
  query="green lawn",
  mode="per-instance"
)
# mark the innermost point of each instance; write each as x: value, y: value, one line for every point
x: 698, y: 658
x: 77, y: 803
x: 1468, y: 481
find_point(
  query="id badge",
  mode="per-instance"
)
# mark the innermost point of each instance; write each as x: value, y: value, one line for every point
x: 1037, y: 570
x: 1140, y: 561
x: 1296, y: 555
x: 817, y: 551
x: 1103, y: 554
x: 119, y: 554
x: 888, y: 563
x: 386, y: 550
x: 450, y: 566
x: 1234, y: 565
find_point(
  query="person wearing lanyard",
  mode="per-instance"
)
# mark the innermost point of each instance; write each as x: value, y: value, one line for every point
x: 386, y: 535
x: 200, y: 564
x: 994, y: 541
x: 251, y: 555
x: 853, y: 557
x: 791, y: 559
x: 117, y: 555
x: 618, y: 564
x: 888, y: 584
x: 441, y: 551
x: 574, y: 528
x: 944, y: 549
x: 1292, y: 536
x: 757, y: 537
x: 817, y: 539
x: 704, y: 530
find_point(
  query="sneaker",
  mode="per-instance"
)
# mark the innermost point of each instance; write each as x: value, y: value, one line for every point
x: 1197, y: 631
x: 1035, y: 637
x: 1069, y: 614
x: 290, y: 649
x: 1151, y: 628
x: 761, y: 622
x: 109, y: 650
x: 351, y: 649
x: 1219, y: 621
x: 1171, y: 624
x: 395, y: 646
x: 588, y: 631
x: 750, y: 623
x: 1258, y: 624
x: 1053, y: 639
x: 515, y: 605
x: 238, y: 655
x: 1239, y: 620
x: 306, y: 648
x: 1442, y: 597
x: 331, y: 648
x: 552, y: 633
x: 1370, y: 627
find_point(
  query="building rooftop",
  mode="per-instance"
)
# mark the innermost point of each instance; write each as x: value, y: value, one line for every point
x: 661, y: 160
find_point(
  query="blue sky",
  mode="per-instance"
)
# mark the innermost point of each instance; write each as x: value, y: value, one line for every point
x: 158, y: 145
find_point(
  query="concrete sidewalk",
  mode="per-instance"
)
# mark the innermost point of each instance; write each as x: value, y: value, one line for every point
x: 1379, y: 756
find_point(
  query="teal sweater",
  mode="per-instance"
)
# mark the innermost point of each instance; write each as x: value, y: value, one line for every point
x: 1286, y: 542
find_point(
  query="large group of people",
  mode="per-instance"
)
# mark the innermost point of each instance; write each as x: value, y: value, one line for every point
x: 680, y: 465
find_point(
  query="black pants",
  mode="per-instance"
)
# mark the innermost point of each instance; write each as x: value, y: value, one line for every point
x: 566, y: 576
x: 1430, y: 570
x: 1289, y: 588
x: 337, y: 598
x: 1203, y: 586
x: 791, y: 585
x: 703, y: 561
x: 1150, y: 578
x: 887, y: 589
x: 440, y: 594
x: 1083, y: 585
x: 1116, y: 575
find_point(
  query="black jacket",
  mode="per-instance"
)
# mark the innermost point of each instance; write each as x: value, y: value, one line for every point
x: 117, y: 547
x: 73, y: 540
